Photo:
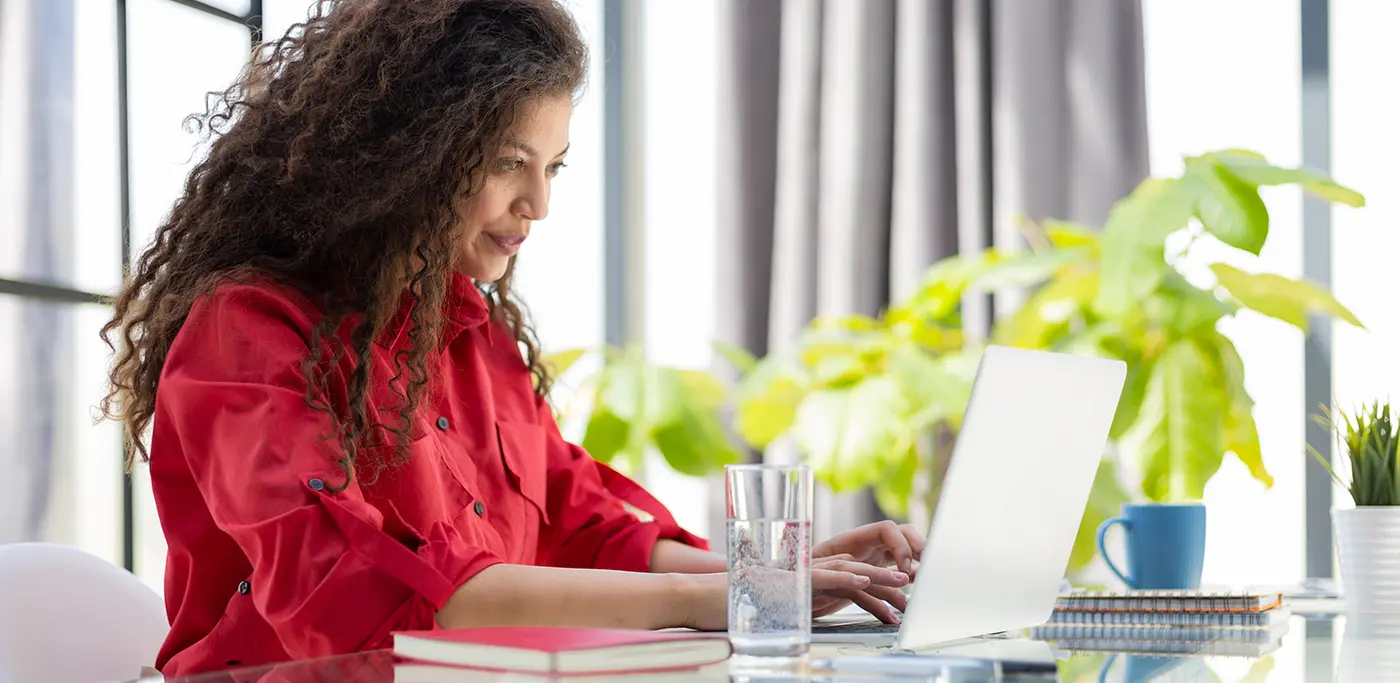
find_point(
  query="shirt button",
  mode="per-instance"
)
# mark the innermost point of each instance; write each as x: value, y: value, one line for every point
x: 244, y: 587
x: 316, y: 484
x: 442, y: 423
x: 479, y: 509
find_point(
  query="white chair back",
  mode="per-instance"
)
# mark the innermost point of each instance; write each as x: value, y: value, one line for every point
x: 70, y: 617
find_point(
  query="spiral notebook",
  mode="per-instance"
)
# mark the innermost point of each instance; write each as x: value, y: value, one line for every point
x: 1270, y: 617
x: 1162, y: 632
x: 1158, y: 601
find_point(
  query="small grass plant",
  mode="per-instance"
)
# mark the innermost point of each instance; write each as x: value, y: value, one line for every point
x: 1371, y: 440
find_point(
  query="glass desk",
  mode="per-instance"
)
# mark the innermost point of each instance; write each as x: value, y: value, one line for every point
x: 1315, y: 648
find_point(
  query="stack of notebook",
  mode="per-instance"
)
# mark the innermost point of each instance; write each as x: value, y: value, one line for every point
x: 1167, y: 622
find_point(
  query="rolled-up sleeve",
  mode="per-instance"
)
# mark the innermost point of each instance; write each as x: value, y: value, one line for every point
x: 327, y: 574
x: 600, y: 518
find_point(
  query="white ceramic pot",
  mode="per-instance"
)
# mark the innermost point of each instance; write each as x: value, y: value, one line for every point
x: 1368, y: 552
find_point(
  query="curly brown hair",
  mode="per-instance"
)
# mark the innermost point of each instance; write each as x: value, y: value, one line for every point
x: 338, y: 163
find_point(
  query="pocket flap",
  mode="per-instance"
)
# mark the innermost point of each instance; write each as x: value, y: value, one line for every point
x: 523, y: 449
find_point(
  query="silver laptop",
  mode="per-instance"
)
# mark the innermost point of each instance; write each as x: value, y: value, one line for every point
x: 1009, y: 511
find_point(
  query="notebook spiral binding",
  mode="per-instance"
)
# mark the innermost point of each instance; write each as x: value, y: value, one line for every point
x: 1172, y: 601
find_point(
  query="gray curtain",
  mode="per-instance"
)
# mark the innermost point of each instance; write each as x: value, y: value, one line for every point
x: 863, y: 140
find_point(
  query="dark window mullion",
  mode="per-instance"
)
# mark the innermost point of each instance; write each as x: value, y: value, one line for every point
x: 124, y: 180
x: 254, y: 22
x: 214, y: 11
x: 31, y: 289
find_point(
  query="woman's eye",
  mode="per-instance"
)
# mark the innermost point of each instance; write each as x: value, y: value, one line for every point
x: 509, y: 164
x: 556, y: 167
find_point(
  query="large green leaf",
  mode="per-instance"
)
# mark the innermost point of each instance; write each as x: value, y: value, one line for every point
x: 1279, y: 297
x: 1183, y: 308
x: 850, y: 435
x: 640, y: 393
x: 1241, y: 435
x: 1228, y: 207
x: 1048, y: 313
x: 560, y: 361
x: 1242, y: 439
x: 1134, y: 234
x: 1251, y: 168
x: 1130, y: 401
x: 606, y: 435
x: 1066, y: 235
x: 1106, y: 500
x: 695, y: 443
x: 934, y: 393
x: 849, y: 322
x: 1027, y: 268
x: 893, y: 490
x: 1178, y: 433
x: 942, y: 285
x: 739, y: 357
x: 701, y: 388
x: 833, y: 358
x: 766, y: 400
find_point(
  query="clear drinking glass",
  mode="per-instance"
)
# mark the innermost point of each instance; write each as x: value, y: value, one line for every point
x: 769, y: 540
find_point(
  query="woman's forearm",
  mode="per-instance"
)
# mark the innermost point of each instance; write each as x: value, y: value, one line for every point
x: 674, y: 557
x: 517, y: 595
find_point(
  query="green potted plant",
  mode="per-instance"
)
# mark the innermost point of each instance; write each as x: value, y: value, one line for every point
x: 636, y: 407
x: 1122, y: 293
x: 1368, y: 534
x: 875, y: 401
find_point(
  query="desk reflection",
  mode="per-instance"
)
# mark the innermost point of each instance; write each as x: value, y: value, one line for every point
x: 1315, y: 649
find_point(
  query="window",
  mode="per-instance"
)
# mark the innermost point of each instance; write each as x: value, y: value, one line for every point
x: 1365, y: 143
x: 1194, y: 105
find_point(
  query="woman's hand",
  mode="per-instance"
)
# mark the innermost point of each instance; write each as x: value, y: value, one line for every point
x: 876, y: 547
x: 839, y: 580
x: 882, y: 544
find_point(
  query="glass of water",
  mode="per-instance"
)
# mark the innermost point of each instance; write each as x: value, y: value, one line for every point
x: 769, y: 540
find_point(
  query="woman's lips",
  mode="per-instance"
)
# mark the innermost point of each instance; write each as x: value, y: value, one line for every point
x: 508, y: 244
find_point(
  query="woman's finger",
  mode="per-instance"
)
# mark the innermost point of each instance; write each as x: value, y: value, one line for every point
x: 833, y: 580
x: 878, y: 575
x: 875, y: 606
x: 897, y: 598
x: 826, y: 558
x: 894, y: 542
x: 830, y: 606
x: 915, y: 537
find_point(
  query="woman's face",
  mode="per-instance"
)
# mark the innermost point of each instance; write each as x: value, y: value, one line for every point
x: 497, y: 220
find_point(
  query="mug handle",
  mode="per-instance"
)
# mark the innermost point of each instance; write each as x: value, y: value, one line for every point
x: 1104, y: 668
x: 1103, y: 529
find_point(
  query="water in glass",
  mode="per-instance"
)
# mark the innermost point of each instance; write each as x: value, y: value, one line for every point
x: 770, y: 591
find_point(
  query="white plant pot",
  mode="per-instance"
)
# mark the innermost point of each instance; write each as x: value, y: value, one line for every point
x: 1368, y: 551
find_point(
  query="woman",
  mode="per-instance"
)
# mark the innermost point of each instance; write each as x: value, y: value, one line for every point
x: 346, y: 438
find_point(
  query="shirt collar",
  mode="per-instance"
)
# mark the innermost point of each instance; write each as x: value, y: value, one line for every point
x: 464, y: 308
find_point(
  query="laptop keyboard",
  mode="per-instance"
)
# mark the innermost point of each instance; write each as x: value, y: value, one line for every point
x: 870, y: 626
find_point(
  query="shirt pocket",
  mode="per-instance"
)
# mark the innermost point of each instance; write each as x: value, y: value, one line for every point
x: 422, y: 491
x: 523, y: 450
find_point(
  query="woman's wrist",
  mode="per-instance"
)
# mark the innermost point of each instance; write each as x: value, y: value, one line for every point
x: 700, y: 600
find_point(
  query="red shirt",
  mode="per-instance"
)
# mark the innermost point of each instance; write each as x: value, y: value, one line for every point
x: 267, y: 563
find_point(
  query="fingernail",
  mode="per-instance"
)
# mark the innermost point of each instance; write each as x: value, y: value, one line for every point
x: 901, y: 576
x: 862, y: 580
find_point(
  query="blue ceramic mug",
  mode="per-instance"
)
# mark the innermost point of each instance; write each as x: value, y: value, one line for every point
x: 1166, y: 545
